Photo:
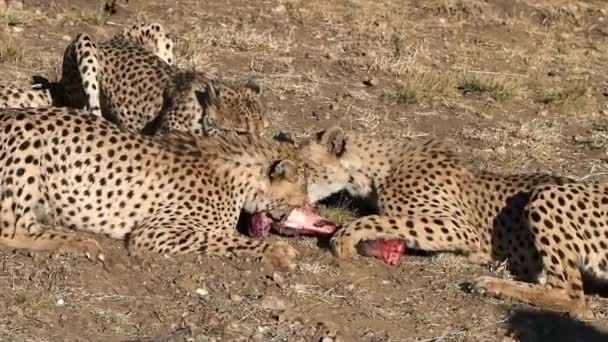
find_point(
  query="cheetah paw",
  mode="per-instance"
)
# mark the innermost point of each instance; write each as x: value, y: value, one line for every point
x: 343, y: 249
x: 89, y: 248
x: 486, y: 285
x: 280, y: 256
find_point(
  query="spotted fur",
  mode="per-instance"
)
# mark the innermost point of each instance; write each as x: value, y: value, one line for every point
x: 64, y: 168
x: 134, y: 88
x: 548, y: 228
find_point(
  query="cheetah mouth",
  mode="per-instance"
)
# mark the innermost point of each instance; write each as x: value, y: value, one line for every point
x: 299, y: 221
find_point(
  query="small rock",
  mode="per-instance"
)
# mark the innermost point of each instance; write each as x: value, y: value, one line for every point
x: 331, y: 56
x: 327, y: 339
x: 279, y: 9
x: 60, y: 302
x: 236, y: 298
x: 551, y: 73
x: 273, y: 303
x: 66, y: 38
x: 372, y: 82
x: 202, y: 292
x: 17, y: 29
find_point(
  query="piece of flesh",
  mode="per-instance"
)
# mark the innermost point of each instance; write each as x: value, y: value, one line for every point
x: 391, y: 251
x: 305, y: 220
x: 300, y: 221
x: 259, y: 225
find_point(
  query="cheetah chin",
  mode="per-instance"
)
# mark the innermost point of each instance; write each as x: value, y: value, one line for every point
x: 300, y: 221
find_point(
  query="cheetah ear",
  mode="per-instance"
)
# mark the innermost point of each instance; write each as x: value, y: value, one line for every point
x: 283, y: 169
x: 253, y: 87
x: 333, y: 139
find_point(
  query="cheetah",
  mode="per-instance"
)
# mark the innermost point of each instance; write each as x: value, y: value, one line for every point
x: 547, y: 228
x: 46, y: 94
x: 134, y: 88
x: 65, y: 170
x: 568, y: 225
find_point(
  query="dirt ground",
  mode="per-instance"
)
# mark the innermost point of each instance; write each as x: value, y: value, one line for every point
x: 516, y: 86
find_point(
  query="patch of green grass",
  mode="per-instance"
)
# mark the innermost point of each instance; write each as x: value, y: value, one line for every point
x: 12, y: 20
x: 95, y: 18
x: 419, y: 86
x: 456, y: 8
x: 10, y: 54
x: 339, y: 214
x: 566, y: 96
x: 402, y: 94
x: 498, y: 88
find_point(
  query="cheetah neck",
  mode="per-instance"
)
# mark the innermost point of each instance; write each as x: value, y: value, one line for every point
x: 369, y: 162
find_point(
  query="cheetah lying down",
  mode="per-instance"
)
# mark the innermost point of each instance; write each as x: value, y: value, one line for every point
x: 548, y: 228
x: 66, y: 170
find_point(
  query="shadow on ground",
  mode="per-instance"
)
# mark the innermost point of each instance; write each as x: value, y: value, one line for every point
x: 541, y: 326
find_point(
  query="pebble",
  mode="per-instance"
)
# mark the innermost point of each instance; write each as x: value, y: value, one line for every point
x: 202, y: 292
x: 372, y: 82
x: 60, y: 302
x: 331, y: 56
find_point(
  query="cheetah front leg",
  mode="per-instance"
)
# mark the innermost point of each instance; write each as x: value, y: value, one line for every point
x: 421, y: 232
x: 81, y: 74
x: 563, y: 288
x: 188, y: 235
x: 550, y: 296
x: 48, y: 240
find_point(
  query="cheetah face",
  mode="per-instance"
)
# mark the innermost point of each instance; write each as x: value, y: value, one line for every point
x: 332, y: 166
x: 286, y: 209
x: 237, y: 108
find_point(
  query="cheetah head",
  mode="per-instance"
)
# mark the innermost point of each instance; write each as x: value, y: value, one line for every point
x: 333, y: 165
x: 282, y: 205
x: 235, y: 107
